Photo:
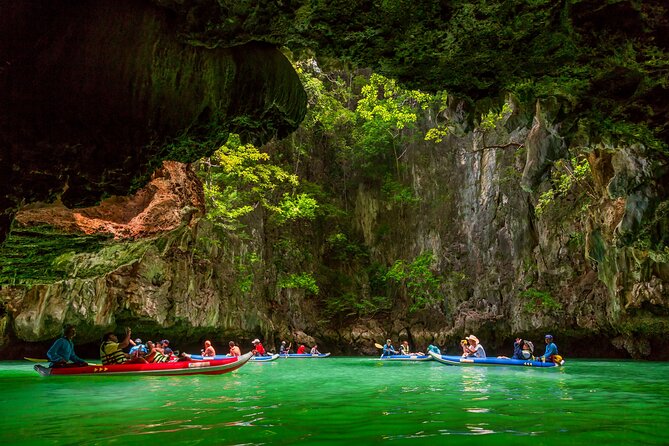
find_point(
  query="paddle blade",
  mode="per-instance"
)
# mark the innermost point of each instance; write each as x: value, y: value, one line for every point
x: 378, y: 345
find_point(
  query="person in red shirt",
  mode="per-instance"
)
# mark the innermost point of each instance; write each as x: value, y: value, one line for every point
x: 258, y: 349
x: 301, y: 349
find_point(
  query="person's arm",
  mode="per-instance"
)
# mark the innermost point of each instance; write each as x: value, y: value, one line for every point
x: 74, y: 358
x: 550, y: 350
x: 126, y: 341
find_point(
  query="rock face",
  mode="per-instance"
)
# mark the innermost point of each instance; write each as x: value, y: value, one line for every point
x: 510, y: 272
x: 100, y: 93
x: 172, y: 198
x: 97, y: 94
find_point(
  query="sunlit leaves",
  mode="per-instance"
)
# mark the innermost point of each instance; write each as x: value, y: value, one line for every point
x: 239, y: 178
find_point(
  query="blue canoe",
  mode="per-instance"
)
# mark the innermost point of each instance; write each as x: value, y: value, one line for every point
x: 459, y: 360
x: 265, y: 358
x: 405, y: 358
x: 304, y: 355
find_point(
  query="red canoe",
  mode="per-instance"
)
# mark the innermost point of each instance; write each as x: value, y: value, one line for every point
x: 215, y: 367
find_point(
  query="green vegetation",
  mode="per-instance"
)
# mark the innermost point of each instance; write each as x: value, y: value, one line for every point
x: 237, y: 179
x: 568, y: 177
x: 539, y: 301
x: 302, y: 281
x: 422, y: 284
x: 42, y: 254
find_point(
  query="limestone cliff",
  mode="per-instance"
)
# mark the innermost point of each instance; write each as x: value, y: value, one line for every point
x: 506, y: 271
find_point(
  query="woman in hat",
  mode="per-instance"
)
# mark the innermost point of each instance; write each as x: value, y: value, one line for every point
x: 475, y: 348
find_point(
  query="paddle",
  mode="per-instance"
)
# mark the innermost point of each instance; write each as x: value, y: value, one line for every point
x: 377, y: 345
x: 46, y: 360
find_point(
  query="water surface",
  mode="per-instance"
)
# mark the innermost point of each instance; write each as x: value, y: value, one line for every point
x: 343, y: 400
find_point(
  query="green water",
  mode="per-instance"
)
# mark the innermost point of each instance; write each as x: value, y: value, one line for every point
x: 343, y: 400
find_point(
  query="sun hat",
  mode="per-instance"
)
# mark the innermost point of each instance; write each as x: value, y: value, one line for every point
x: 165, y: 341
x: 548, y: 336
x: 473, y: 338
x: 138, y: 341
x: 255, y: 341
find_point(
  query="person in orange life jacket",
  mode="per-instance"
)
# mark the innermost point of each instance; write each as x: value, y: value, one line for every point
x: 258, y: 349
x: 301, y: 349
x: 111, y: 350
x: 234, y: 350
x: 61, y: 353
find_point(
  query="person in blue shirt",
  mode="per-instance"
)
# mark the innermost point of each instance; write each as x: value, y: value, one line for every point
x: 388, y: 349
x: 551, y: 349
x: 61, y: 353
x: 139, y: 349
x: 517, y: 350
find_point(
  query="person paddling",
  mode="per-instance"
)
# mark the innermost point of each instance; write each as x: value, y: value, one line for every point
x: 388, y: 349
x: 61, y: 353
x: 283, y: 350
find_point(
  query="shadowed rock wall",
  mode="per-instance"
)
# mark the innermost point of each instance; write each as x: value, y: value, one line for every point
x: 96, y: 94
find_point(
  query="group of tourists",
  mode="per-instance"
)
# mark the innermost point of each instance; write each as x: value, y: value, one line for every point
x: 404, y: 349
x: 523, y: 349
x: 112, y: 351
x: 61, y: 353
x: 301, y: 350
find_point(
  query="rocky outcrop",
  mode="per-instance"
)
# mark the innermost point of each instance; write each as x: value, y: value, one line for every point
x: 172, y: 198
x: 96, y: 94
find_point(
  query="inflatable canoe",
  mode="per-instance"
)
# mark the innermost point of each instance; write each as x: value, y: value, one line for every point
x: 459, y: 360
x: 211, y: 367
x: 264, y: 358
x: 405, y: 358
x: 305, y: 355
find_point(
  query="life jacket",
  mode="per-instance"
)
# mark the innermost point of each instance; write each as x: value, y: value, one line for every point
x: 156, y: 356
x: 114, y: 357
